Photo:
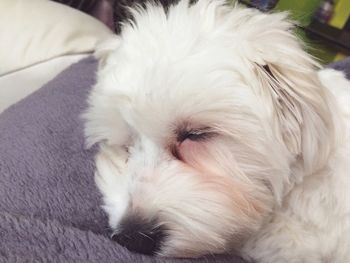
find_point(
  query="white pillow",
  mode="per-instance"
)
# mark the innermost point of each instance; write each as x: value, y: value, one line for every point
x: 37, y: 30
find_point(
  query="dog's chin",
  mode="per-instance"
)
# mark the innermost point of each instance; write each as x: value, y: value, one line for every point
x: 165, y: 242
x: 199, y: 241
x: 184, y: 247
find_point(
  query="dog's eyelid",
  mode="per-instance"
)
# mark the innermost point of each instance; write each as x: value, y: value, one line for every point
x: 199, y: 134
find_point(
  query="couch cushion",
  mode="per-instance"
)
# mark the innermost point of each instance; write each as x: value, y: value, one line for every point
x: 37, y: 30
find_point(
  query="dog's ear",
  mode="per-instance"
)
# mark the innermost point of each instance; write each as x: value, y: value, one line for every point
x: 287, y: 107
x: 104, y: 48
x: 287, y: 77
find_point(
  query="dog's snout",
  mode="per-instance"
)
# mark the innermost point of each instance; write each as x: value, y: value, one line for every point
x: 139, y: 235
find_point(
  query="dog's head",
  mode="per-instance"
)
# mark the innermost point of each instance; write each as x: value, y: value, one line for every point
x: 207, y: 115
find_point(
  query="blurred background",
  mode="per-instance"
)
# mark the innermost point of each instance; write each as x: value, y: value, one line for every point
x: 323, y: 24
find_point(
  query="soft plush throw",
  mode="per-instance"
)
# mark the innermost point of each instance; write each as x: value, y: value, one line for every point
x: 49, y: 205
x: 343, y: 65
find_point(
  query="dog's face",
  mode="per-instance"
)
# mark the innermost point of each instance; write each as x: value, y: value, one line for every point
x: 201, y: 113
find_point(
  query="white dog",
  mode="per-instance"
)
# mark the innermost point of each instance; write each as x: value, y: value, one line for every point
x: 217, y: 134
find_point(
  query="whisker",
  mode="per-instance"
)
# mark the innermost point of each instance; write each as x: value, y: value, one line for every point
x: 143, y: 234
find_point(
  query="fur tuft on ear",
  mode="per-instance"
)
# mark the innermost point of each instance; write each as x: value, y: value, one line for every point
x: 303, y: 110
x: 287, y: 108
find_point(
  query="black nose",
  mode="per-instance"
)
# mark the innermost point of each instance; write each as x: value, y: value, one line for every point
x: 140, y: 235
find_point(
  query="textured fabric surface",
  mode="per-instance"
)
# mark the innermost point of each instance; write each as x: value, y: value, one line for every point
x: 19, y: 84
x: 343, y: 65
x: 49, y: 205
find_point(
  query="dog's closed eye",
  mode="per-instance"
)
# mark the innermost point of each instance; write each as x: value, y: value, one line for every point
x: 187, y: 139
x: 194, y: 134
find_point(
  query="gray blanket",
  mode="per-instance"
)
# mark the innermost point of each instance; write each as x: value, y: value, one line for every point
x: 49, y: 205
x: 343, y: 65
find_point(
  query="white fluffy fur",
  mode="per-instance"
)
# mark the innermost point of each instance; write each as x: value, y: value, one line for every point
x: 272, y: 179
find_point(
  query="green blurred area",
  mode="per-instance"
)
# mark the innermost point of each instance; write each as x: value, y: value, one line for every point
x: 321, y: 52
x: 302, y: 12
